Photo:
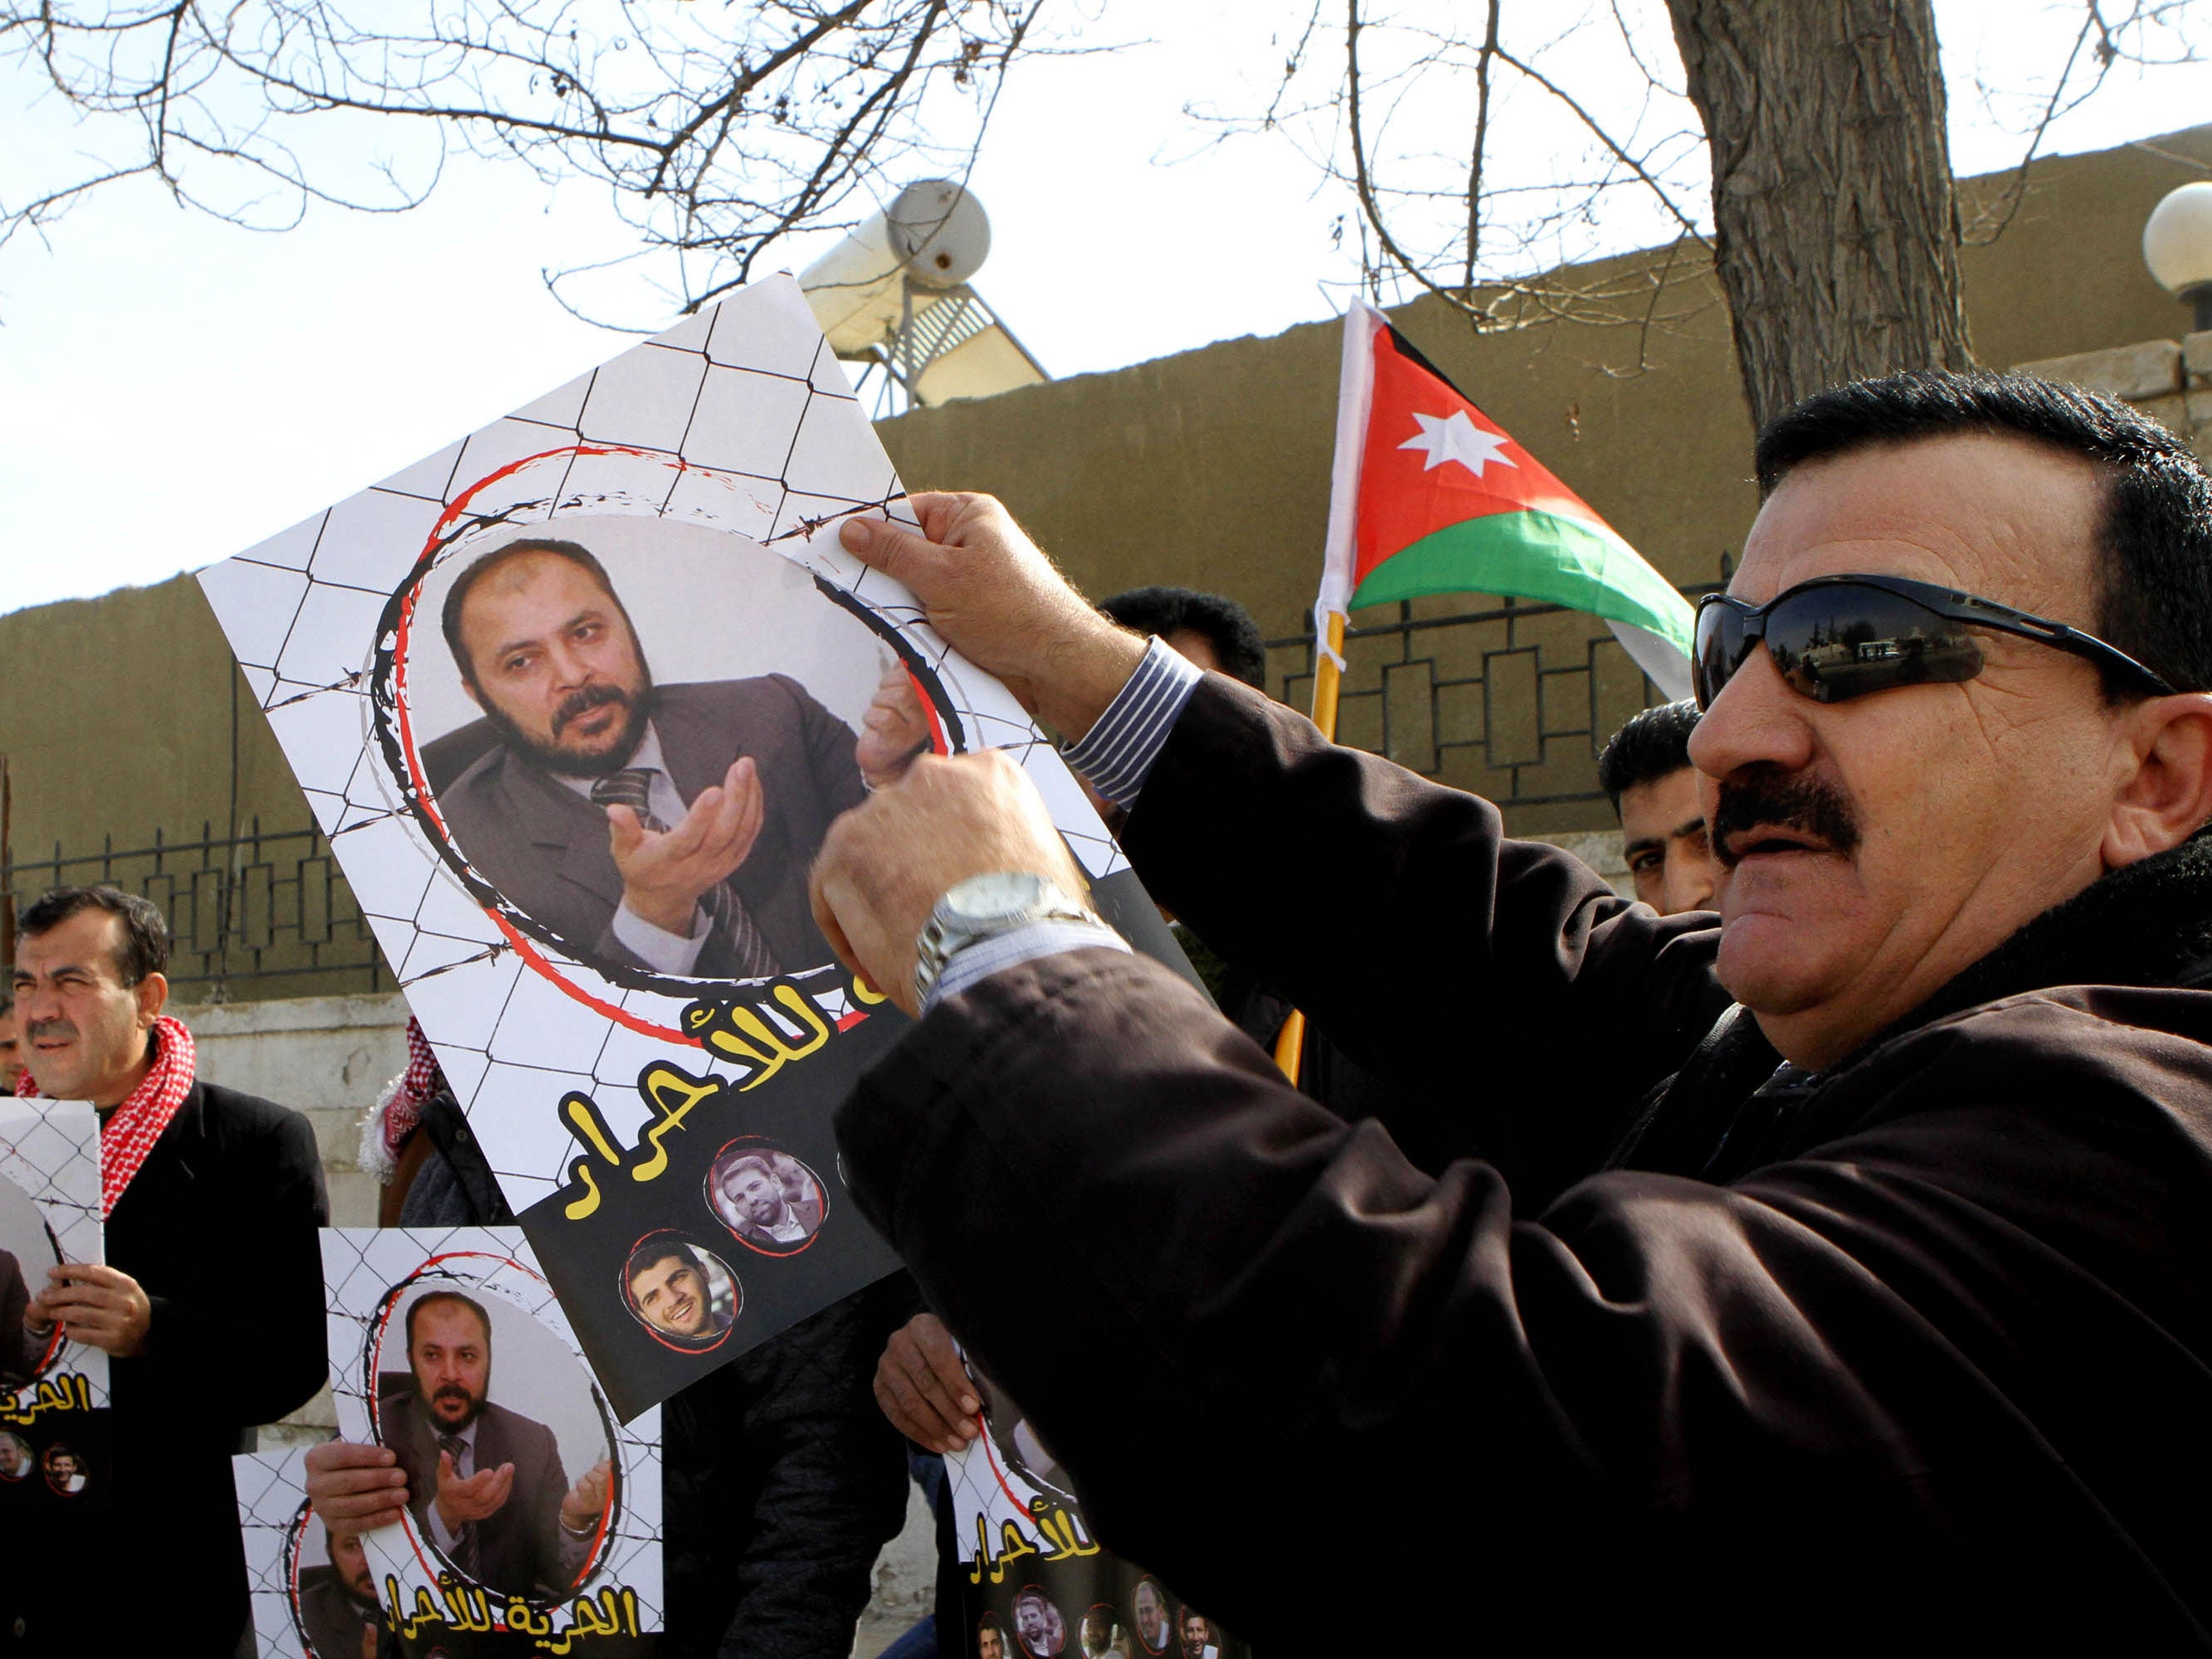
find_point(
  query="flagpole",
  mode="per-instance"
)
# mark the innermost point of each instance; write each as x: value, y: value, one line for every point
x: 1327, y: 680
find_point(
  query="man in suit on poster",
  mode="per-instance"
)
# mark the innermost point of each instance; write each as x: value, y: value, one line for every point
x: 338, y: 1603
x: 665, y: 828
x: 488, y: 1484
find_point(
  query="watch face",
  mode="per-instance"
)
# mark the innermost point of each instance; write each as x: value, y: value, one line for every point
x: 985, y: 899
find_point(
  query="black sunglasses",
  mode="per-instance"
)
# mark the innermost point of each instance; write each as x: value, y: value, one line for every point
x: 1838, y: 637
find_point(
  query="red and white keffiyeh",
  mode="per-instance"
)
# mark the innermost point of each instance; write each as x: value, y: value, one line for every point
x: 392, y: 1120
x: 132, y: 1128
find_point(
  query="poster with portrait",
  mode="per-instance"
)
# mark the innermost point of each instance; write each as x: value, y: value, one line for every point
x: 312, y: 1594
x: 1035, y: 1584
x: 54, y: 1452
x: 534, y: 1515
x: 575, y: 700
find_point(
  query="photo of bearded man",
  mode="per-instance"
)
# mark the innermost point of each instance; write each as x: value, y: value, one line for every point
x: 485, y: 1483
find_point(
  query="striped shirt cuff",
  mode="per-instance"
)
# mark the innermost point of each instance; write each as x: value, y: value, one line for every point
x: 1117, y: 752
x: 998, y: 951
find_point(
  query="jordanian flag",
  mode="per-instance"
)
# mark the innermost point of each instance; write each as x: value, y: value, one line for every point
x: 1429, y: 495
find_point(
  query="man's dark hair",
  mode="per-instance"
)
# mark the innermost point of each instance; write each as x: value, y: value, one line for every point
x: 1218, y: 620
x: 2153, y: 579
x: 449, y: 619
x: 144, y: 946
x: 474, y: 1306
x: 654, y: 1251
x: 1649, y: 746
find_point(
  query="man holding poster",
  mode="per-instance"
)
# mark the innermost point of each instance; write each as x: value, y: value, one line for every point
x: 208, y: 1305
x: 1837, y: 1277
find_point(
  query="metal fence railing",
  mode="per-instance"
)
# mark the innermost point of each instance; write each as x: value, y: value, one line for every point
x: 262, y: 914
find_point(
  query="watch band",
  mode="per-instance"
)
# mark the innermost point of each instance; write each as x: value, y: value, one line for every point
x: 984, y: 906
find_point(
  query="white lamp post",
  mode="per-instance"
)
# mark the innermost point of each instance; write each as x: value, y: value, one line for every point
x: 2178, y: 248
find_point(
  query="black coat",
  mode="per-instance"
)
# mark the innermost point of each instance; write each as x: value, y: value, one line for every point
x: 219, y: 1229
x: 1914, y: 1353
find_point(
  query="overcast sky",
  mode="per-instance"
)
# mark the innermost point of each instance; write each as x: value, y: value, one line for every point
x: 173, y: 389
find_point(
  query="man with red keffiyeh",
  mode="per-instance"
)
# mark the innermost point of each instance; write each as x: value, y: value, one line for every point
x: 209, y: 1305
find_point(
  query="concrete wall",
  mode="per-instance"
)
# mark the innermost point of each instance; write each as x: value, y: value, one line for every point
x: 328, y: 1057
x: 1209, y: 468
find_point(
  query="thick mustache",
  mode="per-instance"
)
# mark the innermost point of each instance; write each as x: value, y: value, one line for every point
x: 48, y: 1027
x: 585, y: 700
x: 1768, y: 798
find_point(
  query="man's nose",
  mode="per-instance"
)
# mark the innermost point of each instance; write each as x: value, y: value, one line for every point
x: 570, y: 669
x: 1757, y: 718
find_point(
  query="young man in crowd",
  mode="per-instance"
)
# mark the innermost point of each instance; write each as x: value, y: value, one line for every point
x: 1645, y: 770
x: 210, y: 1305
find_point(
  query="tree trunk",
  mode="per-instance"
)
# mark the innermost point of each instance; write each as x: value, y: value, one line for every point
x: 1837, y: 242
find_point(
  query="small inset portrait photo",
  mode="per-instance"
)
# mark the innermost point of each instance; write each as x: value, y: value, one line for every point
x: 1037, y: 1624
x: 1199, y: 1639
x: 683, y: 1294
x: 17, y: 1458
x: 1155, y: 1630
x: 334, y: 1603
x: 771, y: 1201
x: 990, y: 1637
x: 64, y: 1470
x: 28, y: 1249
x: 1101, y: 1636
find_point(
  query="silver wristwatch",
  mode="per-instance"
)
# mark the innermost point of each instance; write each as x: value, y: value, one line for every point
x: 984, y: 905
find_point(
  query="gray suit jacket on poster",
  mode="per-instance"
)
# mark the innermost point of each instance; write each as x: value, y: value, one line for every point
x: 544, y: 847
x: 334, y: 1620
x: 519, y: 1548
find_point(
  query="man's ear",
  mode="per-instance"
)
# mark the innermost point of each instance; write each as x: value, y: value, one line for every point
x: 469, y: 685
x: 153, y: 995
x: 2167, y: 795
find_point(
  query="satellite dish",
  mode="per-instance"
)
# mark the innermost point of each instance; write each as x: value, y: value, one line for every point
x: 894, y: 294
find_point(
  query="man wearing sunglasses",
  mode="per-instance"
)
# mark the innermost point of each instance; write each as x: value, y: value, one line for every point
x: 1837, y: 1279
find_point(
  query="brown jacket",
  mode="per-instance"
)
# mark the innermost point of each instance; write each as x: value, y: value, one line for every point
x: 1916, y: 1351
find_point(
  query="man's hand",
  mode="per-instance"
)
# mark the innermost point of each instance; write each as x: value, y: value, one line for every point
x: 896, y: 730
x: 664, y: 874
x: 923, y: 1388
x: 355, y: 1488
x: 1003, y: 605
x: 94, y: 1303
x: 885, y: 864
x: 476, y: 1498
x: 588, y: 1500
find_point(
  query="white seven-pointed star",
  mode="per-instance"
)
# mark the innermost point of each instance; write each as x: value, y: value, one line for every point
x: 1456, y: 438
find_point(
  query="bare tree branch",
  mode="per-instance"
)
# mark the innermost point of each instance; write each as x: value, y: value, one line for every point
x: 716, y: 129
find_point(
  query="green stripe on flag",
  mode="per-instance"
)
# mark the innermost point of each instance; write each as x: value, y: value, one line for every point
x: 1536, y: 555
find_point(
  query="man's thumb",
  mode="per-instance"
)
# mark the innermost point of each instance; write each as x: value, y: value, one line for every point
x: 892, y: 549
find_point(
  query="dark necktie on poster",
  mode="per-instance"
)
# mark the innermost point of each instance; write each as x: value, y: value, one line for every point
x: 725, y: 911
x: 464, y: 1536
